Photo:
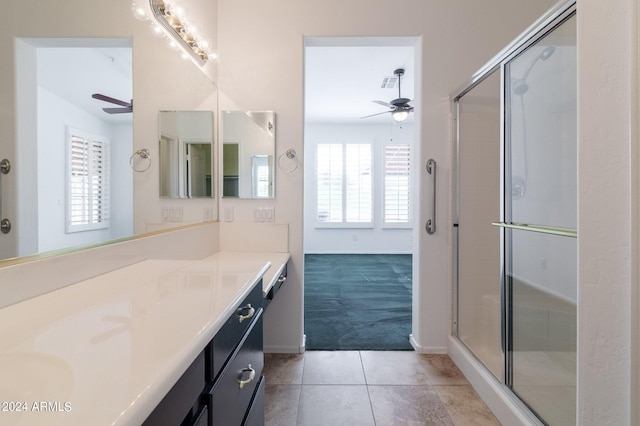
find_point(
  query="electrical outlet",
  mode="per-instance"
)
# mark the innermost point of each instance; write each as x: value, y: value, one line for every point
x: 264, y: 214
x: 207, y: 214
x: 171, y: 214
x: 228, y: 214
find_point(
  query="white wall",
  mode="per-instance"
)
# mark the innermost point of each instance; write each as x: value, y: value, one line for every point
x: 354, y: 240
x: 608, y: 212
x: 261, y: 67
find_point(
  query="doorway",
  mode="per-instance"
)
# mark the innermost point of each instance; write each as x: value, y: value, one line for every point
x: 358, y: 204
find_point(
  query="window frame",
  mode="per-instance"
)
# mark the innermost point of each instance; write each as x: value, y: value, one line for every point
x: 99, y: 172
x: 344, y: 224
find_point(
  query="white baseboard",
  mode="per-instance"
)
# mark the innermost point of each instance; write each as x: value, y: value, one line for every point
x: 274, y: 349
x: 426, y: 349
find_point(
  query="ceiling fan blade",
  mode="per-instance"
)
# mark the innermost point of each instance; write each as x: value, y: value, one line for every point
x: 388, y: 105
x: 380, y: 113
x: 102, y: 97
x: 117, y: 110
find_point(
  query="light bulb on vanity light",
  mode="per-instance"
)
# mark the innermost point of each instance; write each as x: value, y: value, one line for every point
x: 171, y: 17
x: 156, y: 30
x: 138, y: 12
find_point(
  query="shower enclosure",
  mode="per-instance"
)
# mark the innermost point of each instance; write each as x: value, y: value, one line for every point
x: 516, y: 269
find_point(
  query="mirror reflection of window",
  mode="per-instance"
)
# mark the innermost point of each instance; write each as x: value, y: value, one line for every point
x: 55, y: 79
x: 88, y: 181
x: 261, y: 186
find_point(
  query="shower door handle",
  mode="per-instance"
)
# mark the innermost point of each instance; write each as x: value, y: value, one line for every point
x: 431, y: 222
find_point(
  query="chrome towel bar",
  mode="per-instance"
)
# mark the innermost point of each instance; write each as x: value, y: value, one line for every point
x: 564, y: 232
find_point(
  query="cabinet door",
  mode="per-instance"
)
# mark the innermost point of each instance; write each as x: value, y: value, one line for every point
x: 203, y: 418
x: 177, y: 404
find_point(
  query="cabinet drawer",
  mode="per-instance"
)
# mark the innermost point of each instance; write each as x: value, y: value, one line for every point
x: 184, y: 395
x: 276, y: 286
x: 229, y: 401
x: 229, y: 336
x: 255, y: 414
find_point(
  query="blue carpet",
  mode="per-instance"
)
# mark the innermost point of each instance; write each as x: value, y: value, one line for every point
x: 357, y: 301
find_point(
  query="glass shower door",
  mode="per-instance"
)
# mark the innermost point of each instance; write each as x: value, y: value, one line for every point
x: 479, y: 302
x: 540, y: 222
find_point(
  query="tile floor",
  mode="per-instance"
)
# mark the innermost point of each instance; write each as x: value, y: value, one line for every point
x: 369, y: 388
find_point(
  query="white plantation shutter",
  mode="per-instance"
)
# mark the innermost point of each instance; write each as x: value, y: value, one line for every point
x: 329, y: 183
x: 344, y: 184
x: 397, y: 170
x: 358, y: 200
x: 88, y: 182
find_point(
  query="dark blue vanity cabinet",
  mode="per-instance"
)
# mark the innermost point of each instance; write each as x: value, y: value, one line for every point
x: 282, y: 277
x: 224, y: 385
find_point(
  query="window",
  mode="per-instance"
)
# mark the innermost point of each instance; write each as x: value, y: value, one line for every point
x: 397, y: 174
x: 87, y: 181
x: 260, y: 171
x: 344, y: 184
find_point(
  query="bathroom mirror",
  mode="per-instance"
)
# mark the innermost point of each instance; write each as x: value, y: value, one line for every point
x: 57, y: 59
x: 185, y: 154
x: 248, y: 148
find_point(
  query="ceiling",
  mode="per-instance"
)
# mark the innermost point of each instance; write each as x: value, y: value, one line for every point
x: 75, y: 73
x: 342, y: 81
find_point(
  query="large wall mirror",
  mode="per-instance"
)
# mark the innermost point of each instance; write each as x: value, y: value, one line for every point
x: 248, y: 148
x: 186, y: 160
x: 55, y: 62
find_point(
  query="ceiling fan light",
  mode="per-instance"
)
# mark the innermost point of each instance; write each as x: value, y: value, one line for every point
x: 400, y: 115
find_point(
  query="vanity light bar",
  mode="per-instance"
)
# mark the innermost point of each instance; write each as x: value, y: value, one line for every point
x: 169, y: 18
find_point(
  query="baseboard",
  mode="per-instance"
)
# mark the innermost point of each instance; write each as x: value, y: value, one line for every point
x: 275, y: 349
x: 506, y: 409
x: 426, y: 349
x: 342, y: 251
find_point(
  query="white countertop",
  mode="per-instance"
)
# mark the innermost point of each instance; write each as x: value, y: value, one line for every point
x: 106, y: 350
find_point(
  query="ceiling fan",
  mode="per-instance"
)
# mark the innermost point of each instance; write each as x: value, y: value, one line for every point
x: 400, y: 107
x: 127, y: 106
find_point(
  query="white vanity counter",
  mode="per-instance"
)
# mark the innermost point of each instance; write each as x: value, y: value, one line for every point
x: 106, y: 350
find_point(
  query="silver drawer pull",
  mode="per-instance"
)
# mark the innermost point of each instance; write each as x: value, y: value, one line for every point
x: 282, y: 279
x: 250, y: 313
x: 252, y: 375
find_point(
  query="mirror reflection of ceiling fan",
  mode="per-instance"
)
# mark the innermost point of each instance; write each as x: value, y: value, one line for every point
x: 399, y: 108
x: 126, y: 106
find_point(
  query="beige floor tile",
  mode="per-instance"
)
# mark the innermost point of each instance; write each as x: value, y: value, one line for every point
x: 332, y: 368
x: 465, y: 406
x: 442, y: 371
x: 281, y: 405
x: 283, y: 369
x: 407, y: 405
x: 409, y: 368
x: 335, y: 405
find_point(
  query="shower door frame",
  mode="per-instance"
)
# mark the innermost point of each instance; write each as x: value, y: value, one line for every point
x: 547, y: 23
